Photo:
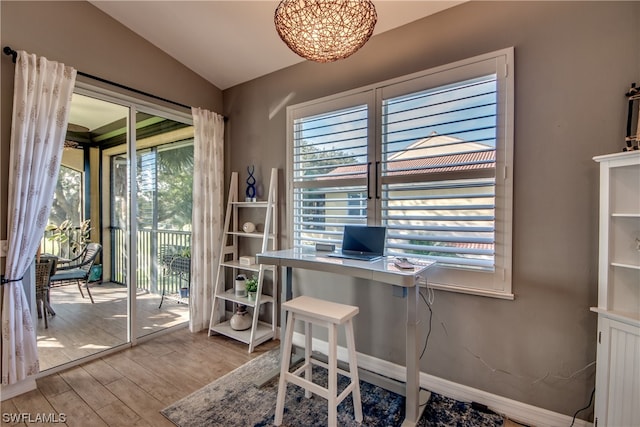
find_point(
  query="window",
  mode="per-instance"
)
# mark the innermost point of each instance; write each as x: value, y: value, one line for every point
x: 68, y: 198
x: 428, y: 156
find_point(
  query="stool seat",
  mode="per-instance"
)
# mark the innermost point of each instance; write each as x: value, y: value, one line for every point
x: 329, y: 315
x: 325, y: 311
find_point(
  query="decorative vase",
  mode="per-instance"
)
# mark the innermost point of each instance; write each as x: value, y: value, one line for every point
x: 251, y: 185
x: 241, y: 320
x: 248, y: 227
x: 240, y: 287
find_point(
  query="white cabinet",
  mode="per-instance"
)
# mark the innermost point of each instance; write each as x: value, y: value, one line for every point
x: 618, y: 356
x: 236, y: 244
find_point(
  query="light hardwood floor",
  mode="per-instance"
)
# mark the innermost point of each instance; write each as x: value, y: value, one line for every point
x: 130, y: 387
x: 80, y: 328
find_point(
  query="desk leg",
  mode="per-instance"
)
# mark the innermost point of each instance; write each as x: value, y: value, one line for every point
x: 412, y: 405
x: 285, y: 295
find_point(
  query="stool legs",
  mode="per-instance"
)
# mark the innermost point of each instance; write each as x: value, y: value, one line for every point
x: 329, y: 316
x: 307, y: 356
x: 333, y: 376
x: 284, y: 369
x: 353, y: 370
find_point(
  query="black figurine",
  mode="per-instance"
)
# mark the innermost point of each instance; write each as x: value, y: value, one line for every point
x: 251, y: 185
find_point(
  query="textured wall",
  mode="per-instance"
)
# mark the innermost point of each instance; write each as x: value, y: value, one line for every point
x: 574, y: 61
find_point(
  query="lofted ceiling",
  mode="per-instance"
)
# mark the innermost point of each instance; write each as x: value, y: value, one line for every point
x: 231, y: 42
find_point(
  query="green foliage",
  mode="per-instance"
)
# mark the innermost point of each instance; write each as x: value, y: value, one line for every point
x: 67, y: 199
x: 175, y: 187
x: 66, y: 232
x: 165, y: 186
x: 251, y: 284
x: 322, y: 160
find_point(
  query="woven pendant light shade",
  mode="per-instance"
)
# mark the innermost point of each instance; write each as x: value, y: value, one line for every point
x: 325, y: 30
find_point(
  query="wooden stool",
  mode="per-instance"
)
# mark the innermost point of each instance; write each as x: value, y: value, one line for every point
x: 329, y: 315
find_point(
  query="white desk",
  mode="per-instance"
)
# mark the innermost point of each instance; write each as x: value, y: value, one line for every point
x: 382, y: 270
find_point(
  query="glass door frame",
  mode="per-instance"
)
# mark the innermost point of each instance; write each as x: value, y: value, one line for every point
x: 135, y: 106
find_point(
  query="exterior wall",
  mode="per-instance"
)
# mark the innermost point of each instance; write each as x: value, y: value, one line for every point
x: 574, y: 61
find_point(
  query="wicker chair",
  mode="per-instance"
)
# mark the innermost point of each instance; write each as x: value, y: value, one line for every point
x: 79, y: 268
x: 44, y: 268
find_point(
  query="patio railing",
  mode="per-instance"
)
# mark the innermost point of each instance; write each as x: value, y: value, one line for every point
x: 156, y: 249
x: 163, y: 258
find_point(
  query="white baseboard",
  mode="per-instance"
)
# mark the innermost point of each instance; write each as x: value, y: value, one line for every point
x: 517, y: 411
x: 12, y: 390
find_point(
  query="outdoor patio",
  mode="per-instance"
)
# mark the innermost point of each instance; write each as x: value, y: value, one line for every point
x: 80, y: 328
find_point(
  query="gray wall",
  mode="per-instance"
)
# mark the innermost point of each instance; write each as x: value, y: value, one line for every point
x: 574, y: 62
x: 78, y: 34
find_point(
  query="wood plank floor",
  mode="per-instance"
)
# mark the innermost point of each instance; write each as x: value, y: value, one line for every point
x: 80, y: 328
x: 130, y: 387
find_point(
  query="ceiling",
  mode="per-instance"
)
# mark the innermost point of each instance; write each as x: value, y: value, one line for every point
x: 231, y: 42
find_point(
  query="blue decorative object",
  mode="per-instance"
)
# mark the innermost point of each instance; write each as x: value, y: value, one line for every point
x: 251, y: 185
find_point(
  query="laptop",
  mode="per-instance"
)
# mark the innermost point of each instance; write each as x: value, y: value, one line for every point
x: 365, y: 243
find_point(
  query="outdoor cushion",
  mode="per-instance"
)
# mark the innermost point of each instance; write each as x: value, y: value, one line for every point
x: 74, y: 273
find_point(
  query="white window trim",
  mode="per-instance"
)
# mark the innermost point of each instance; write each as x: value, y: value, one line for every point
x: 499, y: 282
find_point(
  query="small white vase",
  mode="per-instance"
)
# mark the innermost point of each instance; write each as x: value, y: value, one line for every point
x: 240, y: 321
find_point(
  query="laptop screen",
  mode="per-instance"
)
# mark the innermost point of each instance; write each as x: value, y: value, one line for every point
x: 364, y: 240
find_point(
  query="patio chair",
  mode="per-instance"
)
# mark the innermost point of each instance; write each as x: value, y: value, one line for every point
x: 44, y: 268
x: 79, y: 268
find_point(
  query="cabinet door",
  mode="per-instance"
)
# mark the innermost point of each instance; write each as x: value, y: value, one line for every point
x: 618, y: 374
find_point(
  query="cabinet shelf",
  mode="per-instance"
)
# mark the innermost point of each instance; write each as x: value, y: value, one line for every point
x: 624, y: 265
x: 625, y: 215
x: 627, y: 317
x: 254, y: 235
x: 248, y: 267
x: 262, y: 204
x: 229, y: 295
x: 234, y: 245
x: 263, y: 332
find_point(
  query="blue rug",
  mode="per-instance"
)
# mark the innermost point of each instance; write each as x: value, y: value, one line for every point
x: 235, y: 401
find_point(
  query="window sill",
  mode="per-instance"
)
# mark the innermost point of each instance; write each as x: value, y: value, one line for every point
x: 469, y: 291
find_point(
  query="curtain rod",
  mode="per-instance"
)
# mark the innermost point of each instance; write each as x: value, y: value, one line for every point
x: 8, y: 51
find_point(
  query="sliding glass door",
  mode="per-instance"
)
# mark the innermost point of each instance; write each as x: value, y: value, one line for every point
x: 127, y: 175
x: 164, y: 182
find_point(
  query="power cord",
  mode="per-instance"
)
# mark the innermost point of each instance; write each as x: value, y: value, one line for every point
x: 426, y: 340
x: 586, y: 407
x: 428, y: 304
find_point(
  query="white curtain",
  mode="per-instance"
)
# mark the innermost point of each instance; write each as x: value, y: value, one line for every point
x: 42, y: 95
x: 208, y: 198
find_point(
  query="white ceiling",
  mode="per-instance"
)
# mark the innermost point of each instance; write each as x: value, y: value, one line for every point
x: 231, y: 42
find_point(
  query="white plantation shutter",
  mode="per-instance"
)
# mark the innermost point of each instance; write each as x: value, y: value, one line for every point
x: 428, y: 155
x: 329, y: 169
x: 438, y: 173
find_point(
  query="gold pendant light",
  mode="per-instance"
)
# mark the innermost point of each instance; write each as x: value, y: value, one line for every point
x: 325, y: 30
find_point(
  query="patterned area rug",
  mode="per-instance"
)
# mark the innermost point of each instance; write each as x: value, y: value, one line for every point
x: 234, y: 401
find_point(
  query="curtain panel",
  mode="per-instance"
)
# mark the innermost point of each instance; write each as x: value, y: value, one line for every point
x: 41, y: 100
x: 208, y: 198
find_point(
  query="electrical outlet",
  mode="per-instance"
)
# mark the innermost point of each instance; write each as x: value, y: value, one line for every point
x: 4, y: 247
